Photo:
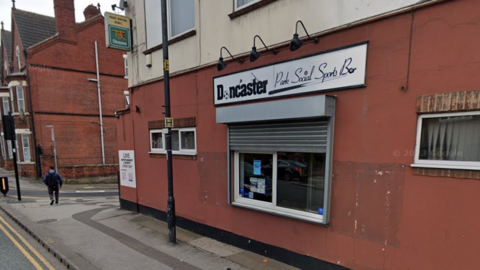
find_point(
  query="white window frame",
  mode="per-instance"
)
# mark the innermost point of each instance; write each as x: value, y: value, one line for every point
x: 190, y: 152
x: 11, y: 100
x: 159, y: 18
x: 125, y: 65
x: 441, y: 164
x: 10, y: 149
x: 17, y: 147
x: 157, y: 150
x: 267, y: 206
x: 20, y: 102
x: 2, y: 142
x: 7, y: 68
x: 19, y: 62
x: 6, y: 109
x: 26, y: 149
x: 244, y: 6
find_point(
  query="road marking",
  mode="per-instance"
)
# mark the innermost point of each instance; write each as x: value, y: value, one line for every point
x: 29, y: 257
x: 34, y: 251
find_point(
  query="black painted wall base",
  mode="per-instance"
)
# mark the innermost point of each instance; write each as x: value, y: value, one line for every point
x: 276, y: 253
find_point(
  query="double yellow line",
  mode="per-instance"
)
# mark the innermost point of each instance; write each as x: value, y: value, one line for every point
x: 4, y: 225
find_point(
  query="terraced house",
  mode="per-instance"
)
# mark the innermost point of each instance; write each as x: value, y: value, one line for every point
x: 62, y: 86
x: 324, y: 134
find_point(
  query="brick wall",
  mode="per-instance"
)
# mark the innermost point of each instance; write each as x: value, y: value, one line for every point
x: 449, y: 102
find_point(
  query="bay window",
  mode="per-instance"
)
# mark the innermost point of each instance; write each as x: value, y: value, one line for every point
x: 26, y: 148
x: 448, y: 140
x: 181, y: 16
x: 20, y: 99
x: 6, y: 106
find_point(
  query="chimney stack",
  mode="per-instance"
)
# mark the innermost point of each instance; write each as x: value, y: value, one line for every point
x: 90, y: 12
x: 65, y: 19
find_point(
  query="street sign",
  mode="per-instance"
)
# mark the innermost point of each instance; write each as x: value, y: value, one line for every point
x: 4, y: 185
x: 169, y: 122
x: 117, y: 31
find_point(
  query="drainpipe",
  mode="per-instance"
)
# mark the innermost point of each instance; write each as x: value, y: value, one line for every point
x: 99, y: 103
x: 38, y: 165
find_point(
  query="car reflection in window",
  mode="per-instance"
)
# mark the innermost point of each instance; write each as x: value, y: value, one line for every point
x: 289, y: 170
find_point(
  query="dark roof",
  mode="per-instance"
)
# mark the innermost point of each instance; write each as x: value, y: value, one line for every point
x: 7, y: 42
x: 33, y: 27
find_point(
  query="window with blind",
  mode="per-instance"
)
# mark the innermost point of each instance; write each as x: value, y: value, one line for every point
x: 450, y: 140
x: 283, y: 167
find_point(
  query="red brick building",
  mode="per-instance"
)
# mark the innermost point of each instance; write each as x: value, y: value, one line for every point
x: 391, y: 161
x: 49, y: 83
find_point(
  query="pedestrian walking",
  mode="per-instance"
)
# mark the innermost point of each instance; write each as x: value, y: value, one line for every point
x: 54, y: 182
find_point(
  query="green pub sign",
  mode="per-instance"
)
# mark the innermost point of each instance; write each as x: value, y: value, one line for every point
x: 117, y: 28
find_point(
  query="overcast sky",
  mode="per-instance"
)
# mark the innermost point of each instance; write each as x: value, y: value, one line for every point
x: 45, y: 7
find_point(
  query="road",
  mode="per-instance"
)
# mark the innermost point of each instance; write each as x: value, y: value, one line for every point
x: 18, y: 250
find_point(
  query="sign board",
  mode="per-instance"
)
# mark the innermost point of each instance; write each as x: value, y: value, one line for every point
x: 333, y: 70
x: 117, y: 31
x: 169, y: 122
x: 127, y: 168
x: 4, y: 185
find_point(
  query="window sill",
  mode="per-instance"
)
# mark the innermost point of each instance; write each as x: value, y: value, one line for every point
x: 174, y: 40
x: 174, y: 156
x: 317, y: 221
x: 442, y: 171
x: 445, y: 166
x: 249, y: 9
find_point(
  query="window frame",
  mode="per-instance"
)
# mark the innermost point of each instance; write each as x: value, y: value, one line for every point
x: 27, y: 136
x: 22, y: 103
x: 187, y: 152
x: 157, y: 150
x: 169, y: 16
x: 235, y: 8
x: 441, y: 164
x: 6, y: 109
x: 2, y: 144
x: 125, y: 66
x: 9, y: 149
x: 19, y: 61
x: 272, y: 207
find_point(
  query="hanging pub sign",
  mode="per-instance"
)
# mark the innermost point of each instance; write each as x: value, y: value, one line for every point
x: 117, y: 31
x: 333, y: 70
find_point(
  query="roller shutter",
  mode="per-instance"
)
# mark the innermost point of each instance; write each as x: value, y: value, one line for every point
x: 306, y: 136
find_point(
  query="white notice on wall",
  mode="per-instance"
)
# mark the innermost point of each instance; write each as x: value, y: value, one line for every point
x: 127, y: 168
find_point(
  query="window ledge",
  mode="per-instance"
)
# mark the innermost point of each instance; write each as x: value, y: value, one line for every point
x: 436, y: 171
x: 250, y: 8
x: 317, y: 221
x: 445, y: 166
x: 174, y: 40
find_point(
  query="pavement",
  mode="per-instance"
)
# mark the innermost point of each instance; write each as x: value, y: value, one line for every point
x: 94, y: 233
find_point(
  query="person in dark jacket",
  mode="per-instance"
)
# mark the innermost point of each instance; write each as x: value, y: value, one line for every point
x: 55, y: 187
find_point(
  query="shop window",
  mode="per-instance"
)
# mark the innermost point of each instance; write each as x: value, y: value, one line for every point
x: 183, y: 141
x: 6, y: 105
x: 20, y: 100
x: 283, y: 168
x: 26, y: 148
x: 448, y: 140
x: 290, y: 183
x: 181, y: 15
x: 239, y: 4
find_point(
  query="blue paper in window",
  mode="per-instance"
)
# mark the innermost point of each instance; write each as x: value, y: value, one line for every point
x: 257, y: 166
